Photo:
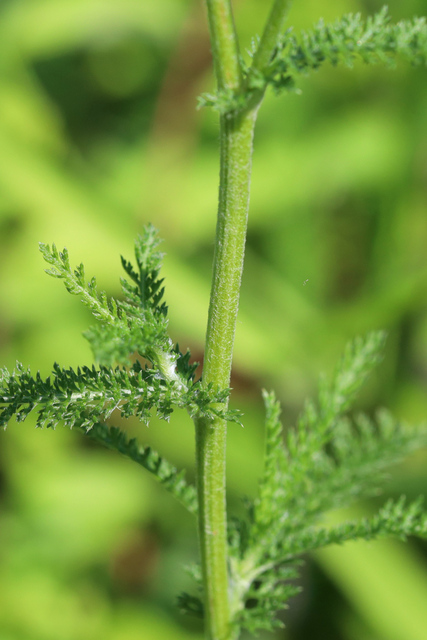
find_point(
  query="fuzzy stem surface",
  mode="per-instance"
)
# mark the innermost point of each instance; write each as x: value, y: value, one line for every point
x: 236, y: 156
x: 236, y: 140
x: 236, y: 147
x: 225, y: 49
x: 271, y: 33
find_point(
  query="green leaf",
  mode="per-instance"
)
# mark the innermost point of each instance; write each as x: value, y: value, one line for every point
x: 172, y: 479
x: 328, y: 460
x: 89, y: 395
x: 137, y: 324
x: 396, y: 519
x: 373, y: 41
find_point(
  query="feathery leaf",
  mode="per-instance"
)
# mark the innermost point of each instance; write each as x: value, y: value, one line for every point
x: 327, y: 461
x: 172, y: 479
x: 373, y: 41
x: 89, y: 395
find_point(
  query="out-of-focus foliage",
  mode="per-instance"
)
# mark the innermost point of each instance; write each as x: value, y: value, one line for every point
x: 98, y: 136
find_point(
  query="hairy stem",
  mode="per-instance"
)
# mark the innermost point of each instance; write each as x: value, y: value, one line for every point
x: 225, y: 50
x: 236, y: 155
x: 236, y: 139
x: 211, y: 435
x: 270, y: 35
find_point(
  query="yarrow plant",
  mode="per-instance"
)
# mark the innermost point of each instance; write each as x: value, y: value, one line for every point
x: 329, y: 458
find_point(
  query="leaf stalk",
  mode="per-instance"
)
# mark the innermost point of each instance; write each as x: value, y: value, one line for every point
x: 270, y: 36
x: 225, y: 49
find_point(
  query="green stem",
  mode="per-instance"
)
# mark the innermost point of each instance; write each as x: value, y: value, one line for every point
x: 225, y: 49
x: 211, y: 435
x: 272, y: 31
x: 236, y: 156
x: 236, y: 139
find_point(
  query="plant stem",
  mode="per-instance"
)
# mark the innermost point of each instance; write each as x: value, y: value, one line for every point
x: 225, y: 50
x: 271, y: 33
x: 211, y: 435
x: 236, y: 156
x: 236, y: 140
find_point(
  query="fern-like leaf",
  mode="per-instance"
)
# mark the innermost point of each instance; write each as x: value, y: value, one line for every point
x: 172, y: 479
x: 396, y: 518
x: 374, y: 40
x: 137, y: 324
x: 89, y: 395
x: 328, y: 460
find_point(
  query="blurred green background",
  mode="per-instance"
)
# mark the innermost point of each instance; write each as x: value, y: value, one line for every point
x: 98, y: 136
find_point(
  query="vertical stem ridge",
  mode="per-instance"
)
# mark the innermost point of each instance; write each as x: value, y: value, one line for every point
x: 235, y: 173
x: 271, y: 33
x: 225, y: 49
x: 236, y: 136
x: 236, y: 161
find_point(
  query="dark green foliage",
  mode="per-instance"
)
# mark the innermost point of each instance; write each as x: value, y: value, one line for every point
x: 83, y: 397
x: 374, y: 40
x: 326, y: 461
x: 86, y: 398
x: 138, y: 323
